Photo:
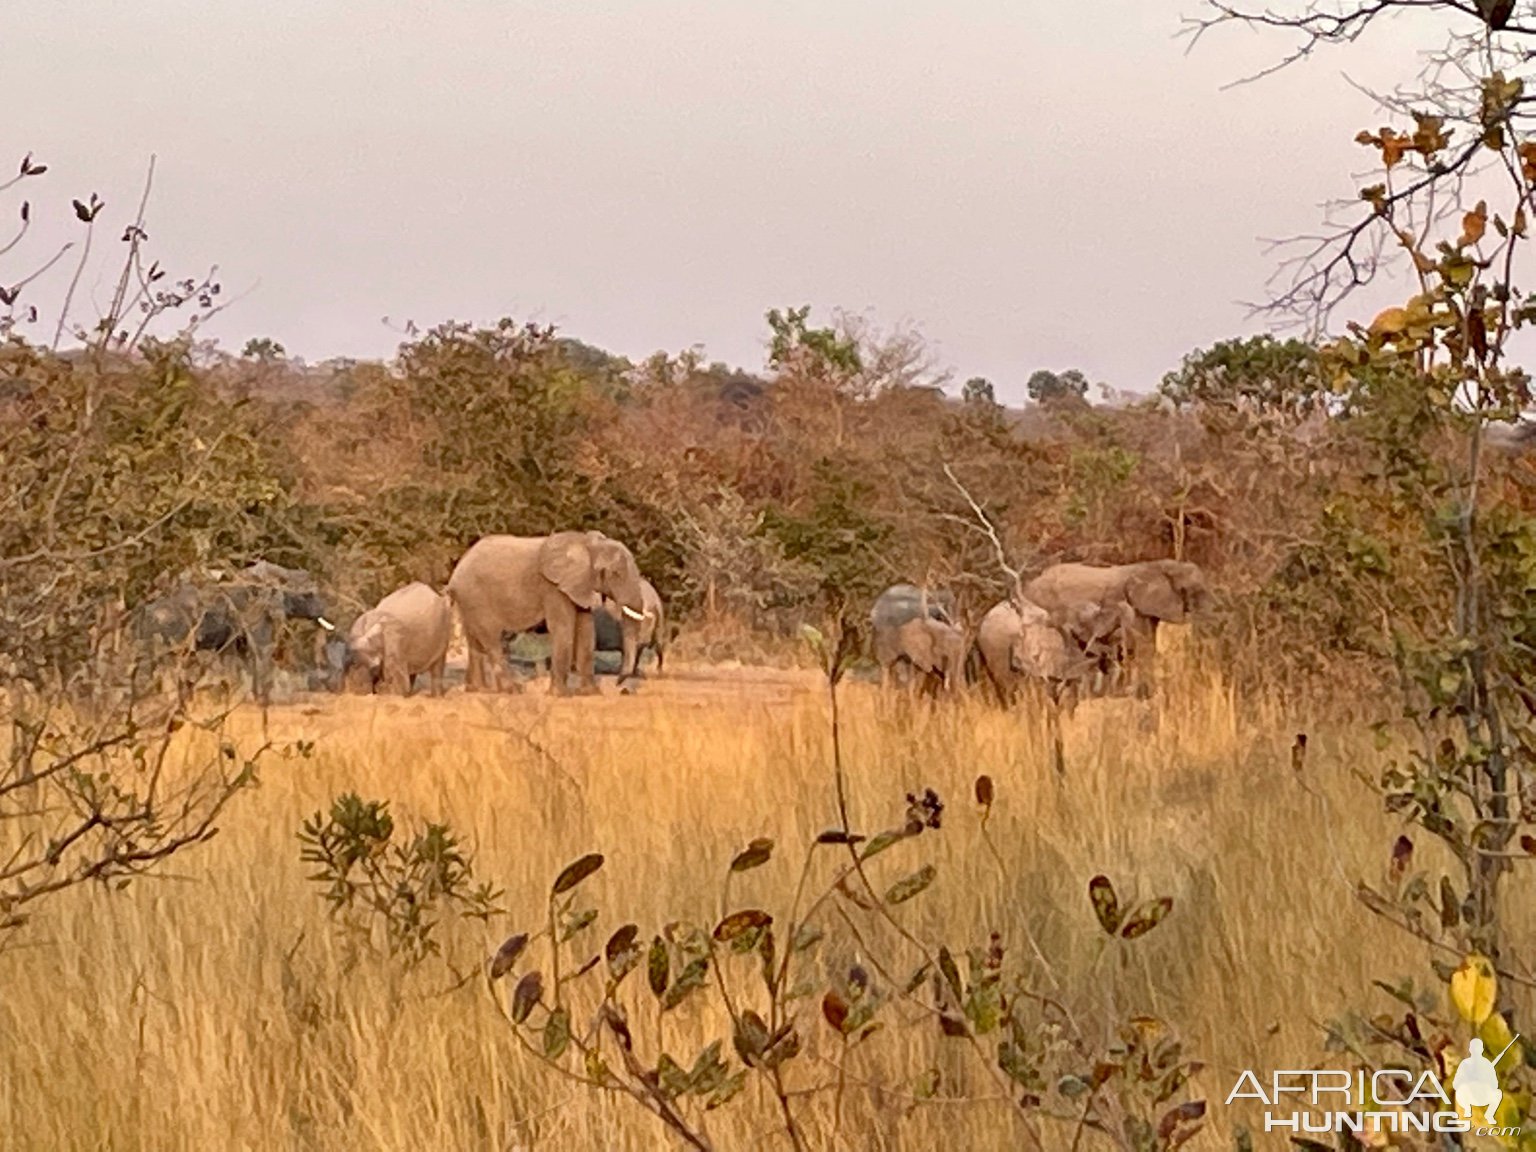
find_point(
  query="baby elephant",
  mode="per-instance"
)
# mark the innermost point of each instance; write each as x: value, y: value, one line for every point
x: 405, y: 635
x: 936, y: 651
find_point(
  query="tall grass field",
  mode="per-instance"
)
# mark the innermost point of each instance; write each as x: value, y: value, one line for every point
x: 217, y: 1007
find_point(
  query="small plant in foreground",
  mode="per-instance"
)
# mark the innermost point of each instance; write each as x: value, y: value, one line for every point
x: 400, y: 888
x: 586, y: 1012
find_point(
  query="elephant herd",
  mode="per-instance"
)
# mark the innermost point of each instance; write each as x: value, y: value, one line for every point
x: 1069, y: 628
x: 583, y: 589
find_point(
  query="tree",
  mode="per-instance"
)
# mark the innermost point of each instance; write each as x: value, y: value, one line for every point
x: 263, y: 349
x: 1067, y: 388
x: 978, y: 392
x: 1424, y: 381
x: 1253, y: 376
x: 122, y: 469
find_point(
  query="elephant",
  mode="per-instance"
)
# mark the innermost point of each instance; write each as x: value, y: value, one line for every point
x: 935, y: 649
x: 631, y: 637
x: 242, y: 614
x: 1113, y: 612
x: 1017, y: 642
x: 897, y: 606
x: 404, y: 635
x: 620, y: 636
x: 514, y: 583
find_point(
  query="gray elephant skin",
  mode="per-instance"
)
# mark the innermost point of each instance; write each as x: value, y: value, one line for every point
x: 898, y: 606
x: 241, y: 615
x: 1112, y: 612
x: 935, y: 650
x: 618, y: 631
x: 1017, y: 643
x: 619, y: 636
x: 404, y: 636
x: 512, y: 584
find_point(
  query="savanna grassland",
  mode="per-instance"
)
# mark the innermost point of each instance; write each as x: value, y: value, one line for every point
x: 218, y: 1008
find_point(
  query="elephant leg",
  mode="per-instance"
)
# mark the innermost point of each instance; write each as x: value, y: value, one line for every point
x: 999, y: 686
x: 561, y: 619
x: 661, y: 653
x: 585, y: 644
x: 474, y: 672
x: 629, y: 660
x: 435, y: 676
x: 261, y: 658
x: 482, y: 674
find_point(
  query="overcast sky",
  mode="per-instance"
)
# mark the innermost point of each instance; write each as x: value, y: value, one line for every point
x: 1031, y: 183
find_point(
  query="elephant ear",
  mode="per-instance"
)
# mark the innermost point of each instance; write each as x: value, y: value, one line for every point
x: 565, y: 560
x: 1153, y: 595
x: 374, y: 640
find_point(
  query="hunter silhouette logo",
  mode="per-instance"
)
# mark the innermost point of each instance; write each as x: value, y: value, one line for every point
x: 1476, y: 1083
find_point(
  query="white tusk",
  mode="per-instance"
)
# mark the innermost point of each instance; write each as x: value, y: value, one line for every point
x: 631, y: 613
x: 324, y: 623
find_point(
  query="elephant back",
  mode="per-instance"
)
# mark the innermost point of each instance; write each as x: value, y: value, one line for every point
x: 903, y: 602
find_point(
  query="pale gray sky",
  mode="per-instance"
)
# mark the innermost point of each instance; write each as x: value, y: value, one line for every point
x: 1030, y: 183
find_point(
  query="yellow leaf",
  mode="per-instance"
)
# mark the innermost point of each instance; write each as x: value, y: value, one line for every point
x: 1474, y: 224
x: 1496, y: 1037
x: 1528, y: 159
x: 1474, y: 988
x: 1389, y: 322
x: 1430, y: 136
x: 1394, y: 147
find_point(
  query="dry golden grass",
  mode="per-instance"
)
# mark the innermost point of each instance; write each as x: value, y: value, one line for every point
x: 213, y: 1010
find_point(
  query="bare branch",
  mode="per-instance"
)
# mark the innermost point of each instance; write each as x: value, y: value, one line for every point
x: 985, y: 524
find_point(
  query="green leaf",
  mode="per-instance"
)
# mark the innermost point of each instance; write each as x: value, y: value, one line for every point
x: 984, y: 1008
x: 658, y: 965
x: 750, y: 1037
x: 576, y: 872
x: 784, y: 1046
x: 909, y: 886
x: 673, y: 1080
x: 883, y: 841
x: 557, y: 1033
x: 578, y: 922
x: 708, y: 1071
x: 927, y: 1085
x: 689, y: 980
x: 738, y: 923
x: 806, y: 936
x: 1071, y: 1087
x: 951, y: 973
x: 754, y: 855
x: 727, y: 1090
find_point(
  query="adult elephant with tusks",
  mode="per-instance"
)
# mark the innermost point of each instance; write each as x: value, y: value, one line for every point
x: 1119, y: 607
x: 634, y: 636
x: 239, y: 614
x: 508, y: 584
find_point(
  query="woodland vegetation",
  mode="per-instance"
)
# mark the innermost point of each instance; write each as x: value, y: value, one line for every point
x: 1358, y: 501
